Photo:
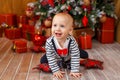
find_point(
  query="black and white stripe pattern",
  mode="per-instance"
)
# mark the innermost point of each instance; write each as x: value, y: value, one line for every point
x: 53, y: 57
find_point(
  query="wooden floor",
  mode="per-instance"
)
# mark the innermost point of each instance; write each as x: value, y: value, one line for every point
x: 14, y: 66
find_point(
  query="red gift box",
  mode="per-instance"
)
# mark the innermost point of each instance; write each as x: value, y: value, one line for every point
x: 28, y: 36
x: 28, y: 32
x: 31, y: 22
x: 22, y: 19
x: 108, y: 24
x: 1, y: 31
x: 20, y: 46
x: 13, y: 33
x: 106, y: 30
x: 85, y: 41
x: 104, y: 34
x: 9, y: 19
x: 28, y: 28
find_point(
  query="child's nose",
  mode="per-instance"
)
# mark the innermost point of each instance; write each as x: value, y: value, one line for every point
x: 57, y: 28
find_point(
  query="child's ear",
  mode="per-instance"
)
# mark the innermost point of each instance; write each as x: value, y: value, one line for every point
x: 71, y: 31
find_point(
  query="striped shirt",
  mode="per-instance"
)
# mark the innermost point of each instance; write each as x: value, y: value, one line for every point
x: 53, y: 57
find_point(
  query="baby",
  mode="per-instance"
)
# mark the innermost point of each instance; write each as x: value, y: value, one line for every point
x: 62, y: 50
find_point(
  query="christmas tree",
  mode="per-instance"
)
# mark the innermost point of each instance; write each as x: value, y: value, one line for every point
x: 86, y: 13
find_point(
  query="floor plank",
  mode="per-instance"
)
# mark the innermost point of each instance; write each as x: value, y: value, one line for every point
x: 24, y: 67
x: 34, y: 74
x: 11, y: 69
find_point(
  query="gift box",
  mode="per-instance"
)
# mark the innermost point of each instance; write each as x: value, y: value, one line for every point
x: 31, y: 22
x: 106, y: 30
x: 105, y: 34
x: 20, y: 46
x: 28, y: 28
x: 13, y: 33
x: 1, y: 31
x: 108, y: 24
x: 102, y: 36
x: 82, y: 30
x: 85, y: 41
x: 28, y: 32
x: 28, y: 36
x: 22, y: 19
x: 9, y: 19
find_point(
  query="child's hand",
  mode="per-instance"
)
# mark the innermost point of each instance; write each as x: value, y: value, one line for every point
x: 75, y: 74
x: 58, y: 74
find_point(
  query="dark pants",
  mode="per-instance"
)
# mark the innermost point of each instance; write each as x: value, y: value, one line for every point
x: 83, y: 54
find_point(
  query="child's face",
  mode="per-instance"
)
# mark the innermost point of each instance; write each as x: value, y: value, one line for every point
x: 61, y: 27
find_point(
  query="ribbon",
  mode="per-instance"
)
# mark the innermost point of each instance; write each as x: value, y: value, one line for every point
x: 108, y: 30
x: 85, y: 41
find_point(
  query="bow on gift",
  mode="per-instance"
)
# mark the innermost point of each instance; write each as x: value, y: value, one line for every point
x: 62, y: 52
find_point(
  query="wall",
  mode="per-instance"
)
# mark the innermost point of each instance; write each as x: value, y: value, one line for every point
x: 13, y: 6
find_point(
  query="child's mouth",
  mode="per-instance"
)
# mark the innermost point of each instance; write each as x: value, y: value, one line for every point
x: 58, y: 34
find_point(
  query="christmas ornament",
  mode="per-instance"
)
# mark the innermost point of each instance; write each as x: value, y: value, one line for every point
x: 44, y: 2
x: 51, y: 2
x: 14, y: 47
x: 85, y: 20
x: 103, y: 18
x: 86, y: 2
x: 63, y: 1
x: 69, y: 8
x: 29, y: 11
x: 88, y: 8
x: 39, y: 40
x: 48, y: 22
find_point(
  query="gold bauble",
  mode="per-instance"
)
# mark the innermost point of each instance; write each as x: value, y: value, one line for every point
x: 86, y: 2
x: 103, y: 18
x: 29, y: 13
x: 48, y: 23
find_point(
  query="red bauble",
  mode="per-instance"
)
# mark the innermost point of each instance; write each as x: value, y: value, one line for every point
x: 63, y: 1
x: 44, y: 3
x: 69, y: 8
x: 51, y: 2
x: 89, y: 8
x: 85, y: 21
x: 39, y: 40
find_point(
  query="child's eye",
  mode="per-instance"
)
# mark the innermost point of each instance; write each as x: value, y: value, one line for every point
x: 62, y: 26
x: 54, y: 25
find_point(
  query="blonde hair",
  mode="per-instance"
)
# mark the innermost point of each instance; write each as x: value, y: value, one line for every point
x: 67, y: 16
